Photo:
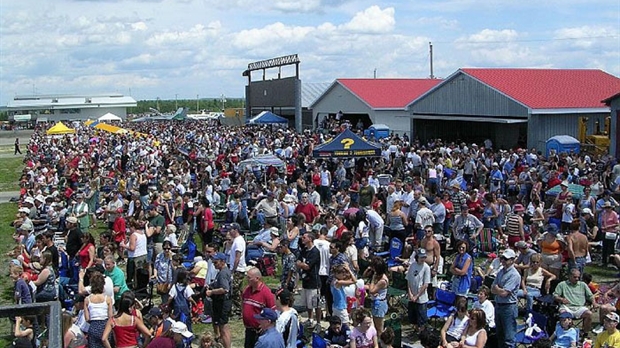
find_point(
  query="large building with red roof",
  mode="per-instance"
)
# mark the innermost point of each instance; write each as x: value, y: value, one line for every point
x: 373, y: 101
x: 513, y: 107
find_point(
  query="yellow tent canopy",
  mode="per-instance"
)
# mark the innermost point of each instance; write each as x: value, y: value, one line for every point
x: 88, y: 122
x: 110, y: 128
x: 60, y: 128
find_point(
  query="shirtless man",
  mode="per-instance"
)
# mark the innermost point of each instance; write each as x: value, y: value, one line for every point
x: 577, y: 247
x: 433, y: 257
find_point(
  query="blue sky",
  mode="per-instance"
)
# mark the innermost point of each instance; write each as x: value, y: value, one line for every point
x: 152, y: 48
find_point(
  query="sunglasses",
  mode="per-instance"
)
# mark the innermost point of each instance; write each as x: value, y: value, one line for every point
x: 166, y: 248
x: 535, y: 262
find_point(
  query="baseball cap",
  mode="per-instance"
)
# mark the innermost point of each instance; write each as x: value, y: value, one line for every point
x: 553, y: 229
x: 521, y: 244
x: 234, y: 226
x: 155, y: 312
x: 24, y: 210
x: 267, y: 314
x: 26, y: 226
x: 219, y: 257
x: 566, y: 315
x: 285, y: 296
x: 421, y: 252
x: 509, y: 254
x: 29, y: 200
x: 72, y: 220
x: 587, y: 211
x: 181, y: 328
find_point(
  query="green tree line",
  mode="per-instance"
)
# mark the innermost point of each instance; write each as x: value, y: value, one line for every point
x: 168, y: 106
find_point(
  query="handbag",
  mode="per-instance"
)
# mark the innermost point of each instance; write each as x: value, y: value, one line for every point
x: 163, y: 288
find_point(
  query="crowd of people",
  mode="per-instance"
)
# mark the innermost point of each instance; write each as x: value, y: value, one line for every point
x: 105, y: 217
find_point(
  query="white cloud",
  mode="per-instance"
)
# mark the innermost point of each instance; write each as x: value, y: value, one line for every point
x: 490, y: 35
x: 273, y: 35
x: 139, y: 26
x: 202, y: 47
x: 195, y: 35
x: 372, y: 20
x: 297, y: 5
x: 438, y: 21
x: 587, y: 36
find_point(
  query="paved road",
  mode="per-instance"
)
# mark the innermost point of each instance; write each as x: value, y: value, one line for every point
x: 8, y: 137
x: 6, y: 196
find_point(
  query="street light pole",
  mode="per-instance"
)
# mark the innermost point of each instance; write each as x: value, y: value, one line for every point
x: 176, y: 101
x: 197, y: 104
x: 223, y: 99
x: 158, y: 104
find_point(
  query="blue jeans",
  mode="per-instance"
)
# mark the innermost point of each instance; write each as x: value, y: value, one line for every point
x: 506, y: 324
x: 532, y: 293
x: 579, y: 263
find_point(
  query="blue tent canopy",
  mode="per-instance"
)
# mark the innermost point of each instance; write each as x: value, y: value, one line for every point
x: 347, y: 144
x: 267, y: 117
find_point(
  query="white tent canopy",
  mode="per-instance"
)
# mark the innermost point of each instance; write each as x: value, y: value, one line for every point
x: 109, y: 117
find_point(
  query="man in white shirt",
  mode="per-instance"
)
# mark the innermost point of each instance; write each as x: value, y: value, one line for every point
x: 424, y: 217
x: 376, y: 225
x: 236, y: 263
x: 418, y: 278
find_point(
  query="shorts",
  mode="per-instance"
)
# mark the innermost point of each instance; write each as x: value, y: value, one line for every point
x: 310, y: 298
x: 552, y: 261
x: 139, y: 261
x: 221, y: 312
x: 379, y: 308
x: 343, y: 314
x: 576, y: 312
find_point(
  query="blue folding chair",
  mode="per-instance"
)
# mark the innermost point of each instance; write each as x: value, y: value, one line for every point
x: 442, y: 306
x: 318, y: 341
x: 396, y: 249
x: 541, y: 322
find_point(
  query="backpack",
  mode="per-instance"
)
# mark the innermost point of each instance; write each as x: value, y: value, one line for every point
x: 287, y: 330
x: 180, y: 305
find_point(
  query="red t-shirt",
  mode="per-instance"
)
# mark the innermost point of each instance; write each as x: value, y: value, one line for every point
x: 309, y: 211
x: 254, y: 302
x: 120, y: 227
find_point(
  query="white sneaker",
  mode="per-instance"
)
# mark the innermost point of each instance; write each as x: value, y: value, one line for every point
x: 598, y: 329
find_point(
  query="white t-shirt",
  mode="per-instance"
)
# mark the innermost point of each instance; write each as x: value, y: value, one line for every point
x: 187, y: 293
x: 108, y: 288
x: 238, y: 245
x: 323, y: 247
x: 489, y: 310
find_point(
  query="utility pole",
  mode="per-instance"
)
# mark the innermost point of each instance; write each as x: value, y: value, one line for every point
x: 176, y: 101
x: 158, y: 104
x: 430, y: 48
x: 375, y: 73
x: 223, y: 100
x: 197, y: 104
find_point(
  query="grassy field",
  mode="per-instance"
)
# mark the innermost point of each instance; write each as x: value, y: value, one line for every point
x: 10, y: 171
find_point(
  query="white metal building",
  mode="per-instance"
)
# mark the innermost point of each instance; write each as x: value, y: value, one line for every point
x: 373, y: 101
x: 68, y: 107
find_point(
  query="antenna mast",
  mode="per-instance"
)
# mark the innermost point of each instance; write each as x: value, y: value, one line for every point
x: 430, y: 48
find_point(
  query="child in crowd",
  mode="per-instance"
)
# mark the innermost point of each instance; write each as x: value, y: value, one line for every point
x: 564, y: 336
x: 24, y: 332
x: 342, y: 277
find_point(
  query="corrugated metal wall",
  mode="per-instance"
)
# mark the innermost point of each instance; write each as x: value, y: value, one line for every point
x: 336, y: 99
x: 462, y: 95
x: 543, y: 127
